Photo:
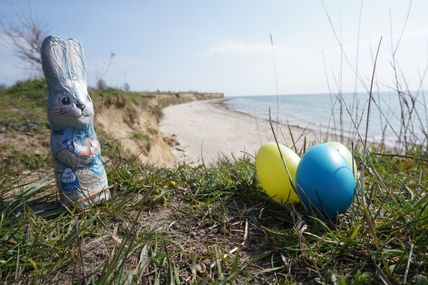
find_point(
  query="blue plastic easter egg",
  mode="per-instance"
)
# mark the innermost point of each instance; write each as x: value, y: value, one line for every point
x: 324, y: 181
x: 344, y: 151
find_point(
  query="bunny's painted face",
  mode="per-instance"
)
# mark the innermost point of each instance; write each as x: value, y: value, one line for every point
x: 70, y: 106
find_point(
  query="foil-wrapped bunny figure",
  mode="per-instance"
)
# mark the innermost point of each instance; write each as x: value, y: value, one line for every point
x: 79, y: 170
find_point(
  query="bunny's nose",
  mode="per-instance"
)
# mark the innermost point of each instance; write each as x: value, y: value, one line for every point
x: 80, y: 105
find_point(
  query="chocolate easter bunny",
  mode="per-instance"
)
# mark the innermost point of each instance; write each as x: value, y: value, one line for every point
x: 79, y: 170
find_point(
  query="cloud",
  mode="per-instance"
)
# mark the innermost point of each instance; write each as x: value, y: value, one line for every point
x: 235, y: 48
x: 415, y: 33
x: 238, y: 48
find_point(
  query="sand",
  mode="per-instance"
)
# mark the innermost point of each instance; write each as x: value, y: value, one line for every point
x: 204, y: 131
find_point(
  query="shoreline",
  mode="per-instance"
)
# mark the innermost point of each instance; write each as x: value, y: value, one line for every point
x: 221, y: 104
x: 332, y: 133
x: 204, y: 131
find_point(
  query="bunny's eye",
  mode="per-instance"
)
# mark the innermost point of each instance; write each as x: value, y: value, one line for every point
x: 65, y: 101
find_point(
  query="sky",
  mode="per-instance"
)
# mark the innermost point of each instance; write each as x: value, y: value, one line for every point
x: 225, y: 46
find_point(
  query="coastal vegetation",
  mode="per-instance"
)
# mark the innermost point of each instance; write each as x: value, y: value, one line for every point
x: 209, y: 224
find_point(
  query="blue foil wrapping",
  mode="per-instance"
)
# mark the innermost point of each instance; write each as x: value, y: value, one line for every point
x: 79, y: 170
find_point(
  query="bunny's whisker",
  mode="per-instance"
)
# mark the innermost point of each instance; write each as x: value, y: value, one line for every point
x: 58, y: 114
x: 58, y: 111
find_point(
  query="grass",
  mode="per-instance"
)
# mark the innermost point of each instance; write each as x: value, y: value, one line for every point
x: 27, y: 96
x: 139, y: 136
x: 214, y: 225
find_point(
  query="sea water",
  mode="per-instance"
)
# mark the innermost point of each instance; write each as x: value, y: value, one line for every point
x: 346, y: 114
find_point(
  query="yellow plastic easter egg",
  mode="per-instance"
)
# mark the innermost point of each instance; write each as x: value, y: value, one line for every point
x: 344, y: 151
x: 272, y: 174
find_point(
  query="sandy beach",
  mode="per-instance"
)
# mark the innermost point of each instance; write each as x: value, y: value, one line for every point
x: 206, y: 130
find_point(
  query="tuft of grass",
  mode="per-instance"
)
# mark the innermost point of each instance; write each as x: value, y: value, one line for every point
x: 139, y: 136
x: 23, y: 105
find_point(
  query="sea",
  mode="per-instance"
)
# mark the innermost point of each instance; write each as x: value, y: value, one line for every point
x: 393, y: 118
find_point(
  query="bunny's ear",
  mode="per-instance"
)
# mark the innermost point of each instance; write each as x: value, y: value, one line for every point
x: 76, y: 62
x: 62, y: 61
x: 53, y: 60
